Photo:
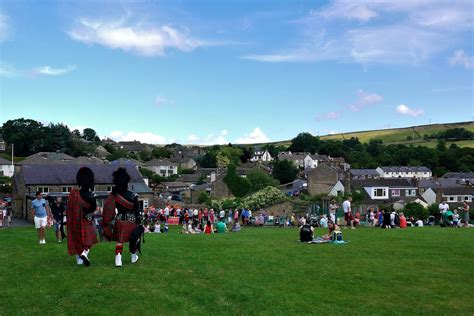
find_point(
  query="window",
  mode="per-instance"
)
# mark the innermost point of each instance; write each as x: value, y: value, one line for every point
x: 466, y: 198
x: 380, y: 192
x: 410, y: 192
x: 66, y: 189
x: 451, y: 199
x: 396, y: 192
x: 44, y: 190
x: 459, y: 198
x: 109, y: 189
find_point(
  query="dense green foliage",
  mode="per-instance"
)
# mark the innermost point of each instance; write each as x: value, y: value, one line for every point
x: 284, y: 171
x: 238, y: 185
x: 255, y: 272
x: 452, y: 134
x: 416, y: 210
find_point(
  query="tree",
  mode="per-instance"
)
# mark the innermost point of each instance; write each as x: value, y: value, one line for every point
x: 160, y: 152
x: 90, y: 135
x: 416, y: 210
x: 237, y: 185
x: 305, y: 142
x: 284, y: 171
x: 25, y: 134
x: 259, y: 179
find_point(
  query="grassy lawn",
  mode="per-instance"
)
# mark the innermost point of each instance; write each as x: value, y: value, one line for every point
x: 256, y: 271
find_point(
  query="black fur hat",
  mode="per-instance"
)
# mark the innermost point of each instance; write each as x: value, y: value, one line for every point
x: 85, y: 178
x: 121, y: 179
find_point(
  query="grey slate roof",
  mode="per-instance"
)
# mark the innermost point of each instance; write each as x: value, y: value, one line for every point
x: 405, y: 169
x: 4, y: 161
x: 459, y: 175
x: 160, y: 162
x: 65, y: 174
x: 459, y: 191
x: 364, y: 172
x: 47, y: 158
x: 391, y: 183
x: 439, y: 183
x: 83, y: 160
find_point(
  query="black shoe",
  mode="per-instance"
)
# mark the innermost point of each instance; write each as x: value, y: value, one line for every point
x: 85, y: 260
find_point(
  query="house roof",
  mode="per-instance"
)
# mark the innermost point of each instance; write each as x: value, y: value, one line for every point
x: 133, y: 146
x: 123, y: 161
x: 364, y: 172
x: 190, y: 178
x: 160, y: 162
x: 459, y: 175
x: 459, y: 191
x: 83, y: 160
x: 319, y: 157
x: 405, y: 169
x: 62, y: 174
x: 439, y: 183
x: 47, y: 158
x: 391, y: 183
x: 293, y: 157
x: 182, y: 160
x: 4, y: 161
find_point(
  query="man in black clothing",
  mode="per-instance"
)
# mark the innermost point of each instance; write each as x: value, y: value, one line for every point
x: 57, y: 208
x: 306, y: 233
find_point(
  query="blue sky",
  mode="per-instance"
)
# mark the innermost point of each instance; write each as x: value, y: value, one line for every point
x: 206, y: 72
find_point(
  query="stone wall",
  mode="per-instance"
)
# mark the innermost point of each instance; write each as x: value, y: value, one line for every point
x: 322, y: 179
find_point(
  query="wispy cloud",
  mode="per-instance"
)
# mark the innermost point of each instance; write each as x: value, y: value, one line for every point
x: 9, y: 71
x: 145, y: 40
x: 5, y: 27
x: 388, y: 32
x: 50, y: 71
x: 333, y: 115
x: 161, y: 101
x: 144, y: 137
x: 459, y: 57
x: 405, y: 110
x: 364, y: 99
x: 210, y: 139
x: 256, y: 136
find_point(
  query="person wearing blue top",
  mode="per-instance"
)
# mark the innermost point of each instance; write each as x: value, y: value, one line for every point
x: 40, y: 210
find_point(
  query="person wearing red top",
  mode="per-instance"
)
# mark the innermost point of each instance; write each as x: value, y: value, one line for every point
x: 403, y: 221
x: 200, y: 216
x: 209, y: 229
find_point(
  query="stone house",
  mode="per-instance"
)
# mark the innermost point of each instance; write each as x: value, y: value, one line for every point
x: 418, y: 172
x: 322, y: 179
x: 6, y: 168
x: 46, y: 158
x: 59, y: 179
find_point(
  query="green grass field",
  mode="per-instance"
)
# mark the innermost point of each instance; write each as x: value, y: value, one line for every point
x: 257, y: 271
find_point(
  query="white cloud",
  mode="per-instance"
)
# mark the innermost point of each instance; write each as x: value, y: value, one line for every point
x: 193, y: 138
x: 333, y: 115
x: 50, y: 71
x: 383, y: 31
x: 256, y: 136
x: 136, y: 38
x: 144, y: 137
x: 224, y: 132
x: 405, y: 110
x: 5, y: 27
x: 459, y: 57
x: 163, y: 101
x: 8, y: 71
x: 365, y: 99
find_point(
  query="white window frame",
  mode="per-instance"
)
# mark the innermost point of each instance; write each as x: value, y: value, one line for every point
x: 410, y: 192
x: 451, y: 198
x: 42, y: 190
x: 384, y: 192
x: 66, y: 189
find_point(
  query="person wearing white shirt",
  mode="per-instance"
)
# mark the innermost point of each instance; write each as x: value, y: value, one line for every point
x: 443, y: 208
x: 347, y: 211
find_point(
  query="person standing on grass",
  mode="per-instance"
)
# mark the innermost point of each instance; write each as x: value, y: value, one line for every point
x: 333, y: 210
x: 58, y: 209
x: 121, y: 216
x: 41, y: 213
x: 236, y: 215
x: 79, y: 213
x: 348, y: 212
x: 443, y: 209
x: 229, y: 216
x: 465, y: 210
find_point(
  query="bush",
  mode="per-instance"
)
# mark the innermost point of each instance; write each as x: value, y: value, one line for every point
x: 204, y: 198
x: 416, y: 210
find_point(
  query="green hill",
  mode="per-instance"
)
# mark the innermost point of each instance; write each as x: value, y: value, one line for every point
x: 406, y: 135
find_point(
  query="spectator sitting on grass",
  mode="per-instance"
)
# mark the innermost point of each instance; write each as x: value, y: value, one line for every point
x: 419, y: 223
x: 198, y: 229
x: 306, y: 233
x: 403, y: 221
x: 190, y: 229
x: 331, y: 227
x: 209, y: 229
x: 236, y: 227
x: 386, y: 220
x: 221, y: 226
x: 323, y: 221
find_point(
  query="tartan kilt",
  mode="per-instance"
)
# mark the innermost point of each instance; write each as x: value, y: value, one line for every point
x: 81, y: 237
x: 123, y: 231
